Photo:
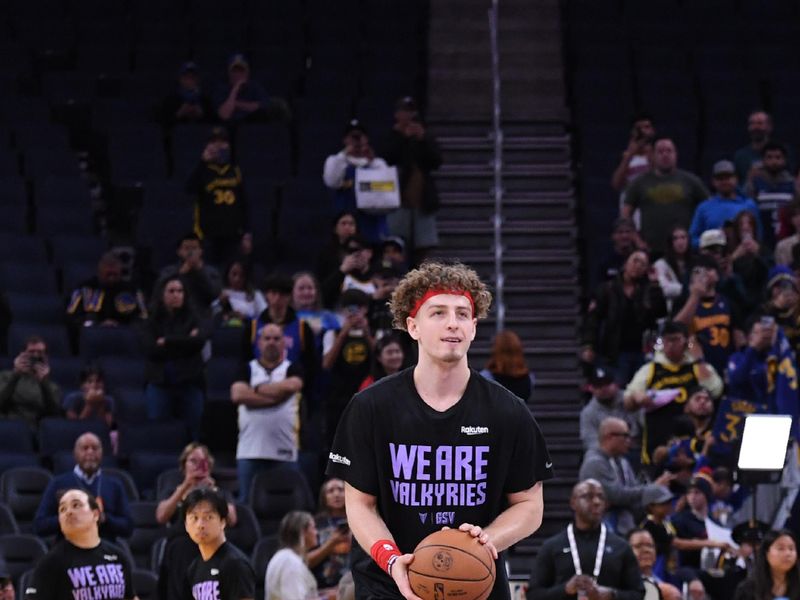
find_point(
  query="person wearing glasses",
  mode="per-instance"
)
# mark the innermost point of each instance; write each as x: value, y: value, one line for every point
x: 644, y: 549
x: 608, y: 465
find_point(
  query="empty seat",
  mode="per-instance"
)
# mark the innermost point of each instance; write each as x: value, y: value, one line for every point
x: 275, y: 493
x: 220, y: 374
x: 65, y: 370
x: 145, y: 467
x: 122, y: 371
x: 55, y: 191
x: 99, y: 342
x: 22, y: 249
x: 21, y: 552
x: 76, y: 248
x: 59, y: 435
x: 188, y: 142
x: 160, y: 436
x: 73, y: 273
x: 246, y: 533
x: 15, y: 436
x: 46, y: 160
x: 36, y: 309
x: 21, y: 489
x: 128, y: 484
x: 129, y: 405
x: 146, y: 531
x: 64, y: 219
x: 54, y: 336
x: 145, y: 583
x: 266, y: 547
x: 8, y: 523
x: 264, y: 149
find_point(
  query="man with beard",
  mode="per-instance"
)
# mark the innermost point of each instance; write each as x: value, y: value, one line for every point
x: 772, y: 187
x: 586, y: 559
x: 784, y: 303
x: 104, y: 300
x: 759, y: 128
x: 268, y: 396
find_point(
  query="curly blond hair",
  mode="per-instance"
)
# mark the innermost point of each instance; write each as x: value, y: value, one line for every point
x: 433, y: 275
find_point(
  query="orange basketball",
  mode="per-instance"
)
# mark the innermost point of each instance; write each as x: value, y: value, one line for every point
x: 451, y: 565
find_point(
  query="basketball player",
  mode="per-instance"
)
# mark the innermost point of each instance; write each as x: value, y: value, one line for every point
x: 81, y: 565
x: 436, y: 445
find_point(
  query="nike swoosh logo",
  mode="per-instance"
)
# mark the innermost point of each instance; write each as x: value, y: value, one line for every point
x: 547, y: 465
x: 565, y: 550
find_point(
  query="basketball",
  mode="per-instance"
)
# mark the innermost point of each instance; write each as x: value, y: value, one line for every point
x: 451, y: 564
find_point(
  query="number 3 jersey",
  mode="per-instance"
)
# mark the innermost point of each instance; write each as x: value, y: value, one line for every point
x: 68, y: 571
x: 430, y: 469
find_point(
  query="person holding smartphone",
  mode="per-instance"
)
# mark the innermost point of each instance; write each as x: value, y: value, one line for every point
x: 330, y: 560
x: 637, y: 156
x: 26, y: 391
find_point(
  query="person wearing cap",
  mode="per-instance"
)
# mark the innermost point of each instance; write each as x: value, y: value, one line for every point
x: 657, y: 501
x: 202, y: 282
x: 386, y: 280
x: 773, y: 188
x: 724, y: 206
x: 188, y: 103
x: 354, y: 272
x: 393, y: 254
x: 220, y: 215
x: 759, y: 130
x: 624, y: 240
x: 783, y: 303
x: 242, y: 98
x: 644, y: 549
x: 783, y: 249
x: 607, y: 464
x: 416, y: 154
x: 694, y: 529
x: 339, y: 174
x: 436, y: 426
x: 606, y: 401
x: 666, y: 195
x: 711, y: 316
x: 586, y: 559
x: 677, y: 367
x: 636, y: 158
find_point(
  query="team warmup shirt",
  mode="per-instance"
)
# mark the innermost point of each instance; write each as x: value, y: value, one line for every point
x: 428, y: 469
x: 227, y: 575
x: 99, y: 573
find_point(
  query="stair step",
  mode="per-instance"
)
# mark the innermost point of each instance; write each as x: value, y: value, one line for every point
x: 512, y: 182
x: 485, y: 169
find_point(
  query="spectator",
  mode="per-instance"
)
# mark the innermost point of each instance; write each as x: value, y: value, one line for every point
x: 26, y: 391
x: 174, y: 337
x: 393, y: 254
x: 91, y: 402
x: 607, y: 464
x: 644, y: 549
x: 385, y: 280
x: 606, y: 401
x: 726, y: 498
x: 783, y: 249
x: 784, y: 303
x: 220, y: 207
x: 202, y: 282
x: 188, y: 103
x: 355, y: 271
x: 748, y: 260
x: 334, y: 253
x: 339, y: 175
x: 242, y: 98
x: 389, y: 359
x: 347, y: 353
x: 307, y: 304
x: 624, y: 241
x: 772, y: 187
x: 300, y: 345
x: 239, y: 301
x: 664, y: 195
x: 7, y: 591
x: 415, y: 153
x: 637, y: 157
x: 657, y: 501
x: 82, y: 564
x: 724, y: 206
x: 709, y: 315
x: 776, y: 573
x: 759, y: 128
x: 672, y: 269
x: 662, y: 386
x: 115, y: 515
x: 597, y: 564
x: 221, y: 568
x: 507, y: 365
x: 267, y: 394
x: 699, y: 409
x: 288, y: 576
x: 634, y: 299
x: 692, y: 525
x: 195, y: 463
x: 105, y: 300
x: 330, y: 560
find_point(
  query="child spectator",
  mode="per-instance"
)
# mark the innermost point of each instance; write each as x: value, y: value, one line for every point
x: 91, y: 402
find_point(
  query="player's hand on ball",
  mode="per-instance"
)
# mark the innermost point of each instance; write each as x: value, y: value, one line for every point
x: 400, y: 575
x: 482, y: 536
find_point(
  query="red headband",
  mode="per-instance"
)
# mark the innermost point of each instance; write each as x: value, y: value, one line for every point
x: 436, y: 292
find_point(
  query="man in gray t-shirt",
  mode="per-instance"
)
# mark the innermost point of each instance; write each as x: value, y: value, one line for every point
x: 606, y: 402
x: 665, y: 196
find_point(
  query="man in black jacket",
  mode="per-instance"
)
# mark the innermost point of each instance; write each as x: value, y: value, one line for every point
x: 586, y: 560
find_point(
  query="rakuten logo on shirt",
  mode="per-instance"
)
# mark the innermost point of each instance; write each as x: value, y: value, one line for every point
x: 469, y: 430
x: 342, y: 460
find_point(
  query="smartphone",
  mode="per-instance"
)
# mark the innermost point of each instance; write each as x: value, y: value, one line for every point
x: 767, y: 321
x: 343, y: 528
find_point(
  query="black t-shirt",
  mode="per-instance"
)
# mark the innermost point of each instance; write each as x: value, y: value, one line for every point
x: 428, y: 469
x: 689, y: 527
x: 227, y: 575
x: 82, y: 573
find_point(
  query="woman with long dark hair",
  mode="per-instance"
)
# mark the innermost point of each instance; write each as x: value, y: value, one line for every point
x: 748, y: 259
x: 174, y: 336
x: 776, y: 574
x: 672, y: 269
x: 507, y: 365
x: 389, y: 359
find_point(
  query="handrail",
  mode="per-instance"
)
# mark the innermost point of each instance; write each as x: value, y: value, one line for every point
x: 497, y: 135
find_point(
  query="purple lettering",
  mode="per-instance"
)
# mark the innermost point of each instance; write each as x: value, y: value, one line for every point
x: 423, y: 463
x: 395, y: 490
x: 101, y: 574
x: 444, y: 463
x: 470, y: 494
x: 482, y: 492
x: 402, y: 460
x: 89, y: 575
x: 463, y: 470
x: 481, y: 462
x: 427, y: 495
x: 452, y: 494
x: 77, y: 577
x: 439, y: 491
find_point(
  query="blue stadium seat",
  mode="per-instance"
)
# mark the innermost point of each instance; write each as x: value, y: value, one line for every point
x: 75, y: 272
x: 229, y: 342
x: 145, y: 466
x: 100, y: 342
x: 220, y: 374
x: 145, y: 582
x: 43, y: 161
x: 188, y: 142
x: 264, y: 149
x: 22, y: 249
x: 246, y: 533
x: 15, y: 436
x: 146, y: 531
x: 68, y: 248
x: 8, y: 523
x: 136, y: 154
x: 65, y: 371
x: 52, y: 192
x: 131, y: 491
x: 35, y: 309
x: 129, y: 405
x: 275, y: 493
x: 21, y: 489
x: 54, y: 335
x: 154, y: 436
x: 59, y: 435
x: 122, y: 371
x: 65, y: 219
x: 21, y: 551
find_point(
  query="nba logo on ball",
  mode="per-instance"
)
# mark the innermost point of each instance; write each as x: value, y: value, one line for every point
x: 451, y: 565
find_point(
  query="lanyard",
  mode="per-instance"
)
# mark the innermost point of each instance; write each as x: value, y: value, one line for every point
x: 598, y: 559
